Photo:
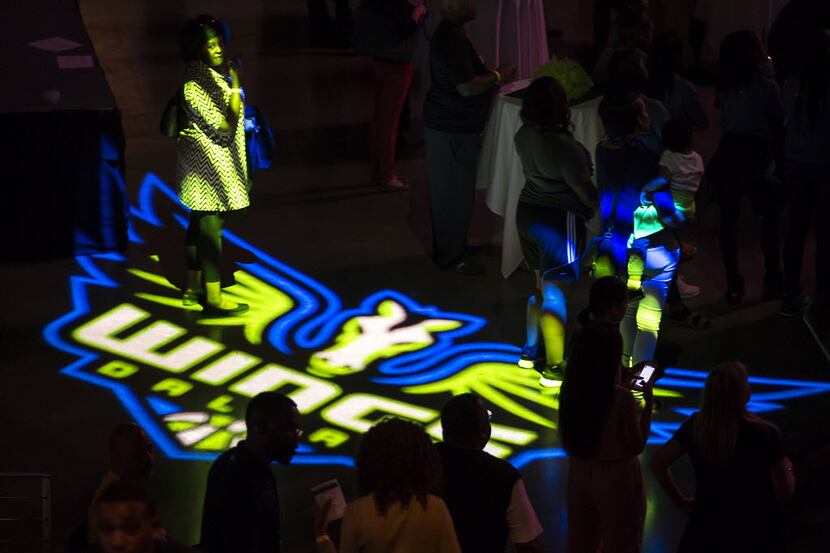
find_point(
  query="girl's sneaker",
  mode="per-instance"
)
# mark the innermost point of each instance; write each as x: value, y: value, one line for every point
x: 552, y: 375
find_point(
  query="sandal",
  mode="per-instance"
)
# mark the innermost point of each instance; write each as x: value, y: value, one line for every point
x: 394, y: 184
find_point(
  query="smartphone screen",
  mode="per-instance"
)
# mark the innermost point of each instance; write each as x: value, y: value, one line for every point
x: 645, y: 375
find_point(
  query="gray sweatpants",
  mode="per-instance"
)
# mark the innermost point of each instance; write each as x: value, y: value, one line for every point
x: 452, y: 159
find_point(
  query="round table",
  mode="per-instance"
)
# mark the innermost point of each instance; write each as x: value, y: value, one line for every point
x: 500, y: 169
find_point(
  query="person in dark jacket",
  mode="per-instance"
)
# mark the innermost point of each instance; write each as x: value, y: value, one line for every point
x: 486, y: 496
x: 807, y: 165
x: 242, y: 509
x: 752, y: 121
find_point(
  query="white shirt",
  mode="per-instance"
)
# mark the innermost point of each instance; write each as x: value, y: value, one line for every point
x: 522, y: 523
x: 686, y: 170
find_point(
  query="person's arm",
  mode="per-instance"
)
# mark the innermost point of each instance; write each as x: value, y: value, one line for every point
x: 670, y: 452
x: 635, y: 426
x: 482, y: 83
x: 783, y: 479
x: 418, y: 12
x: 576, y: 171
x: 645, y: 415
x: 218, y: 125
x: 694, y: 109
x: 780, y: 468
x: 235, y: 103
x: 522, y: 523
x: 321, y: 538
x: 669, y: 214
x: 405, y: 16
x: 777, y: 119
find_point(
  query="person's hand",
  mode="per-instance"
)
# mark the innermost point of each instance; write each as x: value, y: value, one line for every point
x: 160, y: 534
x: 638, y: 367
x: 684, y: 503
x: 418, y: 12
x: 646, y: 199
x: 233, y: 72
x: 648, y: 388
x: 507, y: 72
x: 321, y: 517
x: 655, y: 184
x: 648, y: 393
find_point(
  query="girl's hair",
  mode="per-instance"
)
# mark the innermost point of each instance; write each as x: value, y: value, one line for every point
x: 397, y: 461
x: 665, y: 60
x: 620, y: 114
x: 739, y: 61
x: 813, y: 76
x: 677, y: 135
x: 722, y: 407
x: 545, y: 105
x: 195, y: 33
x: 588, y: 389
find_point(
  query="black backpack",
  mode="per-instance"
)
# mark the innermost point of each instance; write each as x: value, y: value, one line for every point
x: 173, y: 119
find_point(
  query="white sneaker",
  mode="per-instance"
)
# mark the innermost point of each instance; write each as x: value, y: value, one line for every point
x: 687, y: 291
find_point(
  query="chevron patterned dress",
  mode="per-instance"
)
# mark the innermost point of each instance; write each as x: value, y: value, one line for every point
x: 211, y: 166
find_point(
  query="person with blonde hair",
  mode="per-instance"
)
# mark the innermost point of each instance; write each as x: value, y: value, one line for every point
x: 741, y: 473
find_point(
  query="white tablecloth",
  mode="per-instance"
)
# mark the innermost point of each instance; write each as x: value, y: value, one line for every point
x: 727, y: 16
x: 500, y: 169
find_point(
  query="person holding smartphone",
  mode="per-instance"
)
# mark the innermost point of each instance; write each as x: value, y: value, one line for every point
x: 603, y: 430
x: 741, y: 473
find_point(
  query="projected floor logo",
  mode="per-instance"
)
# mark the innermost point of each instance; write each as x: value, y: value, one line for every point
x: 346, y: 368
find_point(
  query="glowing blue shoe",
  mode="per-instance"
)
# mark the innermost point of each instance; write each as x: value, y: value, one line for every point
x: 552, y: 375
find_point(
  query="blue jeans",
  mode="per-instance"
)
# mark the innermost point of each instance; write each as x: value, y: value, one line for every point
x: 641, y: 322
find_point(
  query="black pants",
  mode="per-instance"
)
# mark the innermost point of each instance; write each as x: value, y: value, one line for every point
x: 204, y: 243
x: 451, y: 164
x: 809, y: 197
x: 737, y: 171
x: 770, y: 241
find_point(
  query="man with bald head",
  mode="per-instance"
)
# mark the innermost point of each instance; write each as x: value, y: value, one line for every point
x: 486, y: 495
x: 131, y: 462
